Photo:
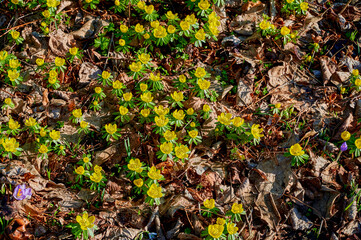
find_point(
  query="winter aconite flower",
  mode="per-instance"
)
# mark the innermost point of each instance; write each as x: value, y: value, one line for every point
x: 15, y: 34
x: 181, y: 151
x: 85, y: 221
x: 177, y: 96
x: 221, y: 221
x: 304, y: 6
x: 225, y: 119
x: 358, y: 143
x: 59, y: 61
x: 73, y: 51
x: 149, y: 9
x: 123, y: 110
x: 160, y: 32
x: 30, y: 122
x: 169, y: 135
x: 161, y: 121
x: 215, y: 230
x: 204, y: 4
x: 14, y: 63
x: 171, y: 16
x: 232, y: 228
x: 264, y: 25
x: 204, y: 84
x: 96, y: 177
x: 123, y: 28
x: 193, y: 133
x: 345, y: 135
x: 135, y: 66
x: 9, y: 144
x: 55, y: 135
x: 98, y: 169
x: 139, y: 28
x: 296, y: 150
x: 80, y: 170
x: 13, y: 125
x: 154, y: 173
x: 77, y: 113
x: 166, y: 147
x: 155, y: 191
x: 146, y: 97
x: 178, y: 114
x: 237, y: 121
x: 200, y: 72
x: 52, y: 3
x: 237, y: 208
x: 161, y: 111
x: 285, y: 30
x: 43, y: 149
x: 39, y: 62
x: 200, y: 35
x: 256, y: 131
x: 145, y: 112
x: 355, y: 72
x: 138, y: 182
x: 135, y: 165
x: 21, y: 192
x: 110, y: 128
x: 144, y: 58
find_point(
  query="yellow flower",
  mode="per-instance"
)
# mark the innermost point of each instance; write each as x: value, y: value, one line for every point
x: 95, y: 103
x: 161, y: 121
x: 221, y: 221
x: 169, y: 135
x: 290, y: 1
x: 88, y: 1
x: 14, y: 63
x: 155, y: 191
x: 146, y: 97
x: 265, y: 25
x: 154, y: 173
x: 59, y: 61
x: 178, y: 114
x: 181, y: 151
x: 44, y: 24
x: 123, y: 110
x: 200, y: 34
x: 15, y: 34
x: 98, y: 169
x: 73, y: 51
x: 193, y: 124
x: 52, y: 3
x: 171, y: 29
x: 3, y: 55
x: 145, y: 112
x: 200, y: 72
x: 232, y: 228
x: 13, y: 124
x: 135, y: 66
x: 209, y: 203
x: 193, y: 133
x: 53, y: 74
x: 117, y: 85
x: 13, y: 75
x: 127, y: 96
x: 43, y: 149
x: 215, y: 230
x: 96, y: 177
x: 166, y: 147
x: 296, y: 150
x: 139, y: 28
x: 358, y: 82
x: 39, y: 61
x: 204, y: 4
x: 55, y: 135
x: 138, y: 182
x: 160, y: 32
x: 154, y: 24
x: 8, y: 101
x: 149, y: 9
x: 61, y: 148
x: 256, y: 131
x: 237, y: 121
x: 144, y: 58
x: 141, y: 5
x: 204, y: 84
x: 304, y: 6
x: 358, y: 143
x: 31, y: 122
x: 182, y: 78
x: 116, y: 3
x: 285, y: 30
x: 237, y: 208
x: 225, y: 119
x: 42, y: 132
x: 123, y: 28
x: 171, y: 16
x: 143, y: 87
x: 98, y: 90
x: 52, y: 80
x: 214, y: 30
x: 355, y: 72
x: 121, y: 42
x: 161, y: 111
x: 80, y: 170
x: 177, y: 96
x: 77, y: 113
x: 191, y: 19
x: 10, y: 145
x: 155, y: 78
x: 146, y: 36
x: 15, y: 1
x: 345, y: 135
x: 206, y: 108
x: 111, y: 128
x: 85, y: 222
x: 184, y: 25
x: 135, y: 165
x: 86, y: 159
x: 278, y: 105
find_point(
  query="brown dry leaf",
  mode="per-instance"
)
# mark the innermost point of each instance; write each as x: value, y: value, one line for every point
x: 60, y: 42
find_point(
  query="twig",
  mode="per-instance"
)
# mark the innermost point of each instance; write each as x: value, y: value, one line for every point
x: 344, y: 8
